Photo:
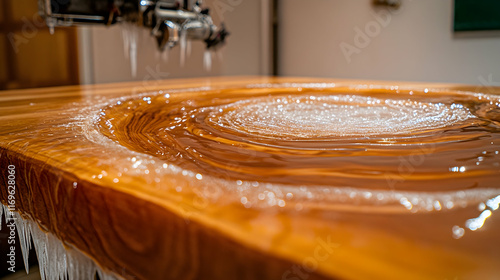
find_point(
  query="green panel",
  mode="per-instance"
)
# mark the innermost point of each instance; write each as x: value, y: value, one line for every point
x: 477, y: 15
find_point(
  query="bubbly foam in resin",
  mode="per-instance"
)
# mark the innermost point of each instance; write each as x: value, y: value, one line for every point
x: 336, y: 116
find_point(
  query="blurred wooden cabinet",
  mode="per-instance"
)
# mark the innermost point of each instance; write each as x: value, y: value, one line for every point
x: 29, y: 55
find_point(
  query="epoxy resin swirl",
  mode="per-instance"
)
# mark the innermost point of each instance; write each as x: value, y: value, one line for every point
x: 333, y: 116
x: 358, y: 137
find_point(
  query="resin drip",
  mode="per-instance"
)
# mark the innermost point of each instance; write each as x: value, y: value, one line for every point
x: 130, y: 34
x: 183, y: 46
x: 56, y: 260
x: 207, y: 60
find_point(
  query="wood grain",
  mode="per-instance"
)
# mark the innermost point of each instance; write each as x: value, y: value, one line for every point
x: 147, y: 223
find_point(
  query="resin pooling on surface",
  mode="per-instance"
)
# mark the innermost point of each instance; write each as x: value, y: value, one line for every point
x: 331, y: 136
x: 196, y: 180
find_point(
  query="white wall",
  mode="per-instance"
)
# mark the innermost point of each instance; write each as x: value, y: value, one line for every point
x: 415, y: 44
x: 102, y: 58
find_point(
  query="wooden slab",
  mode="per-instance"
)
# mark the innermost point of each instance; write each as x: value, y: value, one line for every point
x: 145, y: 215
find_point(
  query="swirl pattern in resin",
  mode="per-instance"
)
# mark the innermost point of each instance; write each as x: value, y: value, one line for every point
x: 362, y: 137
